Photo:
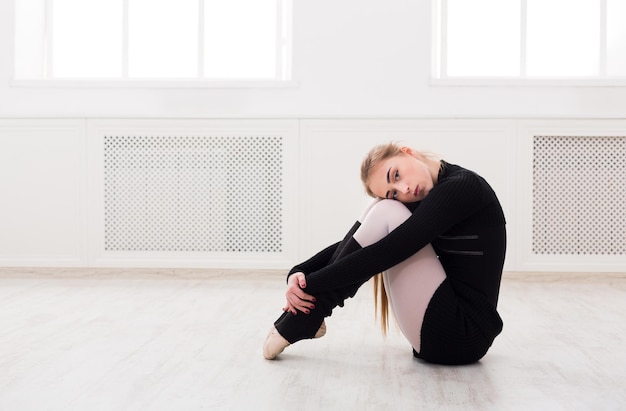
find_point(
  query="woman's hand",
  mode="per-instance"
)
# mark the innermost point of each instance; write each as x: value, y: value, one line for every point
x: 298, y: 300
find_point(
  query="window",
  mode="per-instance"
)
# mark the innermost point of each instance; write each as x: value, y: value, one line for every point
x: 530, y: 39
x: 206, y: 40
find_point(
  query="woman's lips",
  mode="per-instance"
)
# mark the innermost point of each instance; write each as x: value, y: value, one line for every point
x: 417, y: 191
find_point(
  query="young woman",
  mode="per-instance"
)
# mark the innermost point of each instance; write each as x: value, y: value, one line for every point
x: 437, y: 233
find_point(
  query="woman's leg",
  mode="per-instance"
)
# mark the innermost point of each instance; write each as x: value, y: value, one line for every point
x: 379, y: 220
x: 298, y: 327
x: 292, y: 328
x: 411, y: 284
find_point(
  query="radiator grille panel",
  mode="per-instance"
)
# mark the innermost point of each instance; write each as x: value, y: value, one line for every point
x: 196, y: 194
x: 579, y: 195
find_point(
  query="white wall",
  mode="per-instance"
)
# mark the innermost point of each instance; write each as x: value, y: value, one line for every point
x: 362, y: 75
x: 351, y: 58
x: 52, y: 184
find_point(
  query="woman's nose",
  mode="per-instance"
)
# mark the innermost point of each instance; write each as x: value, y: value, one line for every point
x: 402, y: 188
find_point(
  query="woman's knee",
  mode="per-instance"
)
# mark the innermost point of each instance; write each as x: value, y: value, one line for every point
x: 369, y: 208
x: 392, y: 212
x: 382, y: 218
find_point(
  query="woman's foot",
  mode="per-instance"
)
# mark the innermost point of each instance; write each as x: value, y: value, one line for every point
x: 276, y: 343
x: 321, y: 331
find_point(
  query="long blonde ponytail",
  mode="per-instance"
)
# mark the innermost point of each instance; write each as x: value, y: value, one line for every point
x: 381, y: 303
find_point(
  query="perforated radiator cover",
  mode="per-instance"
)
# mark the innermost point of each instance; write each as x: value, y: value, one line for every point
x: 193, y: 193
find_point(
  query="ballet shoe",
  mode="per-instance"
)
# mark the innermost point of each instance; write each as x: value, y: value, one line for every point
x: 276, y: 343
x: 321, y: 331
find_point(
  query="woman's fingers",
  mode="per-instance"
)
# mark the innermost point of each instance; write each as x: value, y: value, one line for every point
x: 297, y: 302
x: 299, y: 279
x: 290, y: 309
x: 297, y: 299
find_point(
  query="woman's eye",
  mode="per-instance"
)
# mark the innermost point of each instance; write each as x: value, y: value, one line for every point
x: 397, y: 175
x: 394, y: 195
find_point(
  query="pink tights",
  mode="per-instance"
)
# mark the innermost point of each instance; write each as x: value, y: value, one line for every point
x: 410, y: 284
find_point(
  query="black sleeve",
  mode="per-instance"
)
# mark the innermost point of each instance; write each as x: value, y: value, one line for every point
x: 317, y: 262
x: 324, y: 257
x: 451, y: 201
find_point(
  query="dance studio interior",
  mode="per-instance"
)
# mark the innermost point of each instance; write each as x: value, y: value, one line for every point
x: 164, y: 164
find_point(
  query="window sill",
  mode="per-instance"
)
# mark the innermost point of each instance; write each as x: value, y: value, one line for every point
x: 156, y: 83
x: 527, y: 82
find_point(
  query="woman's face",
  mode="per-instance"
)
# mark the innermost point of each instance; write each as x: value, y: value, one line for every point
x: 403, y: 177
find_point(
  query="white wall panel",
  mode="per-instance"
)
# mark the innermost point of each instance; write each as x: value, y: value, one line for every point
x: 42, y: 181
x: 584, y: 192
x: 53, y: 179
x: 193, y: 193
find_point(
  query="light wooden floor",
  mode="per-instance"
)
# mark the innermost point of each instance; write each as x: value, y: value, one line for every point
x: 191, y: 340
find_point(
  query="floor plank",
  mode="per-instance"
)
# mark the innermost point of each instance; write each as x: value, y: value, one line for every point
x: 112, y: 339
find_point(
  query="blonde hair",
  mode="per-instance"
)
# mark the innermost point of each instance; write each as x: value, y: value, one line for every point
x: 372, y: 159
x: 380, y: 297
x: 376, y: 155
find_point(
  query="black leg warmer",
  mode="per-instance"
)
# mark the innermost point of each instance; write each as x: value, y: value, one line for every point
x: 302, y: 326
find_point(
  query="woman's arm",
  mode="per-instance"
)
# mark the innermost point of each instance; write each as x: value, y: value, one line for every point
x: 318, y: 261
x: 297, y: 299
x: 450, y: 202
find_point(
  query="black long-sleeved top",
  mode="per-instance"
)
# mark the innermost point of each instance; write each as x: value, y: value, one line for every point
x: 463, y: 220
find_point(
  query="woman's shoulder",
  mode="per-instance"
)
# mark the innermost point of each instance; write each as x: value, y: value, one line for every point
x: 455, y: 177
x: 456, y: 173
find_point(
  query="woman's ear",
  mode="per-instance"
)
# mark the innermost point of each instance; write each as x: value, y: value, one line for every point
x: 407, y: 150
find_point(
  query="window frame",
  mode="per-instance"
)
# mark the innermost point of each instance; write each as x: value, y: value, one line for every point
x: 282, y: 78
x: 439, y: 75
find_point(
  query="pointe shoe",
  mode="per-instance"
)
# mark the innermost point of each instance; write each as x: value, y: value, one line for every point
x: 321, y: 331
x: 276, y: 343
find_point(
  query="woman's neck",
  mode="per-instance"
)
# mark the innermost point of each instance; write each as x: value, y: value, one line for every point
x: 434, y: 165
